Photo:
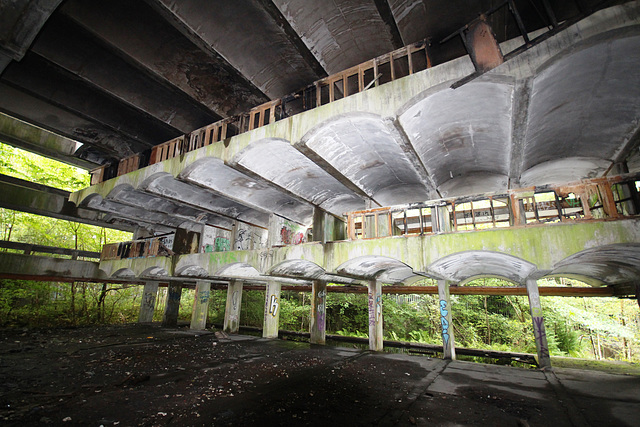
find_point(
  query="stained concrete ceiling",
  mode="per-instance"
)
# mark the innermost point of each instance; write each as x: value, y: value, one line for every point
x: 122, y: 76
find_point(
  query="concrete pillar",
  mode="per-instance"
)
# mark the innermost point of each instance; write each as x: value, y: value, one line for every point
x: 148, y: 303
x: 318, y: 312
x: 440, y: 219
x: 172, y: 306
x: 539, y: 332
x: 200, y: 305
x: 448, y: 343
x: 375, y: 316
x: 271, y: 310
x: 319, y: 220
x: 232, y: 307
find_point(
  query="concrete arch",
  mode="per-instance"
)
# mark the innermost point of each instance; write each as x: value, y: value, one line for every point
x: 463, y: 132
x: 214, y: 175
x: 297, y: 269
x: 375, y: 267
x: 604, y: 265
x: 192, y: 271
x: 592, y: 87
x: 364, y: 149
x: 123, y: 273
x: 154, y: 272
x: 238, y: 270
x: 276, y: 160
x: 463, y: 267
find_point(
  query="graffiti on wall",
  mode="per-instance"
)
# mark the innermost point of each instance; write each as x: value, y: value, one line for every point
x: 248, y: 238
x: 222, y: 244
x: 443, y: 320
x: 290, y: 237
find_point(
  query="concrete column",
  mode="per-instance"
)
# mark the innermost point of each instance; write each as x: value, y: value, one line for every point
x: 200, y: 305
x: 448, y: 343
x: 172, y: 306
x: 271, y: 310
x: 232, y: 307
x: 319, y: 219
x: 148, y: 303
x: 539, y: 332
x: 318, y: 312
x: 442, y: 222
x: 375, y: 316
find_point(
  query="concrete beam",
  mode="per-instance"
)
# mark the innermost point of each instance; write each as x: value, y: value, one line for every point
x: 20, y: 23
x: 33, y: 267
x: 265, y: 49
x: 69, y: 46
x: 25, y: 196
x: 141, y: 34
x: 53, y: 85
x: 31, y: 138
x: 33, y: 110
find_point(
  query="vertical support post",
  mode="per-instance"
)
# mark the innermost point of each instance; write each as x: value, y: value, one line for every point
x: 375, y: 316
x: 271, y: 310
x: 319, y: 220
x: 448, y: 342
x: 539, y: 332
x: 232, y: 307
x: 172, y: 306
x: 200, y: 305
x: 318, y: 322
x: 148, y: 302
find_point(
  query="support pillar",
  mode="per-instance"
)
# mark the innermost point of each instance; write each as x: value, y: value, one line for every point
x: 318, y: 312
x: 448, y: 343
x: 232, y: 307
x: 172, y: 306
x: 148, y: 303
x: 539, y: 332
x: 200, y: 305
x: 375, y: 316
x: 271, y: 310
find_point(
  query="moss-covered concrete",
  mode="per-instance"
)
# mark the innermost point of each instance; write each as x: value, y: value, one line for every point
x: 544, y: 246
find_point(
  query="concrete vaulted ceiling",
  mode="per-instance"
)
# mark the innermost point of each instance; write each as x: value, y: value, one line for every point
x: 115, y: 78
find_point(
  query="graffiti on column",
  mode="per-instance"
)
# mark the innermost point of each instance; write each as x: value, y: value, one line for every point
x: 443, y: 320
x: 378, y: 308
x: 540, y: 335
x: 149, y: 299
x: 321, y: 310
x: 372, y: 312
x: 204, y: 296
x: 234, y: 300
x: 274, y: 305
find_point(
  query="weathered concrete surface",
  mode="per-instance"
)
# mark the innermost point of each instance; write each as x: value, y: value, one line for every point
x: 151, y: 375
x: 30, y: 267
x: 523, y: 123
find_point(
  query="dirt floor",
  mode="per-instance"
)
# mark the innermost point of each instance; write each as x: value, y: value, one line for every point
x: 144, y: 375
